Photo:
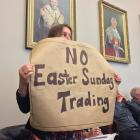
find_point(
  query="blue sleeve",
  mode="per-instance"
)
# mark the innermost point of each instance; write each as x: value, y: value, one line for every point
x: 118, y: 110
x: 23, y: 102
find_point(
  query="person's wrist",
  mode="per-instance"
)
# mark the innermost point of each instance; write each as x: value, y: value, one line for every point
x: 23, y: 81
x: 22, y: 89
x: 23, y: 84
x: 22, y: 92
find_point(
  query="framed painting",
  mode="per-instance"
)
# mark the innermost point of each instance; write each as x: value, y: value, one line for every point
x: 114, y: 42
x: 43, y: 14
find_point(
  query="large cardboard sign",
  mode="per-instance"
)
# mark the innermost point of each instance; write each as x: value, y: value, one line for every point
x: 72, y: 87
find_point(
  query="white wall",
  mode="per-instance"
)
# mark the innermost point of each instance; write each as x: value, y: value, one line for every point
x: 13, y: 53
x: 12, y: 56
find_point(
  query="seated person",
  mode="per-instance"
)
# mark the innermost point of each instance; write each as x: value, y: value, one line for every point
x: 127, y: 126
x: 134, y: 105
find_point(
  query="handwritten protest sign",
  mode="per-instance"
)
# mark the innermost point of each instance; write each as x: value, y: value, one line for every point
x: 72, y: 87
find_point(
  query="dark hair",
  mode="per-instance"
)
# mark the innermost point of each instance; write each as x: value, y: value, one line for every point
x: 56, y: 30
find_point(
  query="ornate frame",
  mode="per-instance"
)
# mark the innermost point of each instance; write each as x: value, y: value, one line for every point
x: 34, y: 32
x: 114, y: 47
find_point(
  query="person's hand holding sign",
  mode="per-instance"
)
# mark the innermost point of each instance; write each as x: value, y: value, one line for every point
x: 93, y: 132
x: 24, y: 73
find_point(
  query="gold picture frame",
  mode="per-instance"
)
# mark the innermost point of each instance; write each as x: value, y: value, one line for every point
x: 114, y: 42
x: 40, y: 18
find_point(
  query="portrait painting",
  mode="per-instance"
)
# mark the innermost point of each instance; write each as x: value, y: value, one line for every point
x: 113, y: 33
x: 43, y: 14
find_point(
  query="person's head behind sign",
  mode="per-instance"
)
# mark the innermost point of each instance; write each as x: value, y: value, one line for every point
x: 61, y: 30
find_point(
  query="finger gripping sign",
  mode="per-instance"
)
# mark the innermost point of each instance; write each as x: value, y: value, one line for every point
x: 72, y: 87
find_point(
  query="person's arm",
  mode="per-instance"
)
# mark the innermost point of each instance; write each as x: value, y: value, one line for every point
x: 119, y: 106
x: 23, y: 102
x: 118, y: 109
x: 25, y: 73
x: 22, y: 94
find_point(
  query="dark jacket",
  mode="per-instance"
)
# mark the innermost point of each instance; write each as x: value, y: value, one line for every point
x: 123, y: 116
x: 134, y: 106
